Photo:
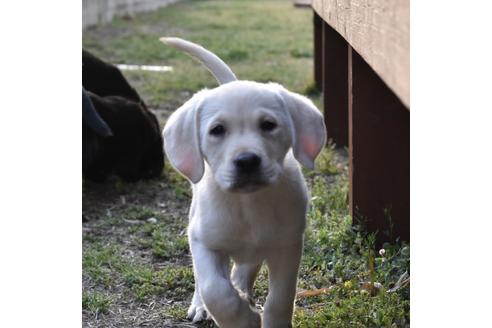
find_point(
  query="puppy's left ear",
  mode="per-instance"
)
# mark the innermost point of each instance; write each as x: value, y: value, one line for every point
x: 309, y: 135
x: 181, y: 139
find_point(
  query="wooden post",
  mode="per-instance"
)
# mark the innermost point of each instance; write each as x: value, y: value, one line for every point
x: 379, y: 154
x: 335, y: 85
x: 318, y: 50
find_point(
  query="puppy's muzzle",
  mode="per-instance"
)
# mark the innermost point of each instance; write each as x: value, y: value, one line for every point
x: 247, y: 163
x: 248, y: 173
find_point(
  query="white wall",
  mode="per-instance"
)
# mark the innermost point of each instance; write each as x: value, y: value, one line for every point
x: 102, y: 11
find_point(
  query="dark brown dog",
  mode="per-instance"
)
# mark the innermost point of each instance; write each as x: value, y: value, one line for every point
x: 134, y: 150
x: 105, y: 79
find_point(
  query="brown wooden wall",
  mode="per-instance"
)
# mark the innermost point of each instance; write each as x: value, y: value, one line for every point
x: 364, y: 113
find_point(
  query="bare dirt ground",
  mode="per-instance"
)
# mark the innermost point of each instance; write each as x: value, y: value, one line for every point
x: 105, y: 222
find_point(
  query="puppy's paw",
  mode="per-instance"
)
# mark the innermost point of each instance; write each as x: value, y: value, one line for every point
x: 197, y: 311
x: 197, y: 314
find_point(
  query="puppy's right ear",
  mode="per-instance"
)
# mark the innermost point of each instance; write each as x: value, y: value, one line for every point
x: 181, y: 142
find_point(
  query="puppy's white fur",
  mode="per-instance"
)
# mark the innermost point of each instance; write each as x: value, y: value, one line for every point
x: 253, y: 219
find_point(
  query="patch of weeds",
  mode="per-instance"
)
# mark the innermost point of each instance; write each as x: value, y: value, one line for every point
x: 347, y: 308
x: 141, y: 281
x: 261, y: 285
x: 392, y: 263
x: 144, y: 242
x: 166, y: 239
x: 96, y: 302
x: 108, y: 220
x: 329, y: 205
x: 166, y: 245
x: 100, y: 262
x: 325, y: 161
x: 173, y: 282
x: 175, y: 311
x: 138, y: 213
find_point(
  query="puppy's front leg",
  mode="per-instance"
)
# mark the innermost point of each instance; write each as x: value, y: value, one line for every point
x: 243, y: 278
x: 283, y: 267
x: 221, y: 299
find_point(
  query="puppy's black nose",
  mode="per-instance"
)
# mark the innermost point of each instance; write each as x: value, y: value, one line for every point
x: 247, y: 162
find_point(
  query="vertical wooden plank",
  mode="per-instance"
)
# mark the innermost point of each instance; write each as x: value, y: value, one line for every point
x: 379, y: 154
x: 335, y: 85
x: 318, y: 50
x: 351, y: 133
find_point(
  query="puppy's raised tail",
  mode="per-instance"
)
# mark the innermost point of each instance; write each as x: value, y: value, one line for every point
x: 212, y: 62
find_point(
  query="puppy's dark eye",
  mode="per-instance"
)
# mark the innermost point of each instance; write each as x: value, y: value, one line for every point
x: 218, y: 130
x: 268, y: 125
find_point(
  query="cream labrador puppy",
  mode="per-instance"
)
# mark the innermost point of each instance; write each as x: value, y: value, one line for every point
x: 239, y: 144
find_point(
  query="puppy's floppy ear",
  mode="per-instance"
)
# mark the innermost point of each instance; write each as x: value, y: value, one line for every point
x: 181, y: 142
x: 309, y: 132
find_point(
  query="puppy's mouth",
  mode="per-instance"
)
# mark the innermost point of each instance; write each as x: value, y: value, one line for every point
x: 247, y: 183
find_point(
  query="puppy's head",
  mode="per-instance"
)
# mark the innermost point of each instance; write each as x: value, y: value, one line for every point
x: 243, y: 130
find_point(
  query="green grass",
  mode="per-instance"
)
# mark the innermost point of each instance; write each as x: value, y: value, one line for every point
x: 96, y: 302
x: 106, y: 266
x: 174, y: 282
x: 260, y: 40
x: 350, y: 308
x: 174, y: 311
x: 324, y: 162
x: 130, y: 259
x: 164, y: 239
x: 165, y: 246
x: 99, y: 263
x: 138, y: 213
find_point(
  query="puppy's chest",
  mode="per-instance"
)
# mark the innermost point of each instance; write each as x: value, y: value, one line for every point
x: 250, y: 227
